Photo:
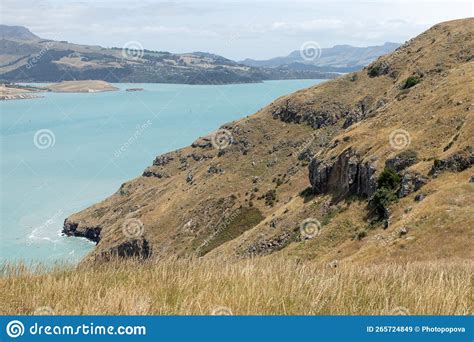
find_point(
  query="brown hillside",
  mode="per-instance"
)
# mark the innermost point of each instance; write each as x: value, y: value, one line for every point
x: 315, y: 156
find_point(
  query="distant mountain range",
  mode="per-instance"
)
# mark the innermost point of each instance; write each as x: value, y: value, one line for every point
x: 25, y: 57
x: 340, y: 58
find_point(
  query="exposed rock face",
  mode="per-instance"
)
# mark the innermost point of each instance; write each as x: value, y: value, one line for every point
x: 73, y: 229
x: 316, y: 119
x: 138, y: 248
x: 306, y: 155
x: 402, y: 160
x: 215, y: 169
x: 379, y: 69
x: 360, y: 112
x: 203, y: 142
x: 419, y: 197
x: 411, y: 182
x: 163, y: 160
x: 457, y: 162
x: 150, y: 172
x: 189, y: 178
x: 346, y: 175
x: 268, y: 246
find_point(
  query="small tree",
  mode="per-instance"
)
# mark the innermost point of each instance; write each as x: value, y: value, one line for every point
x: 386, y: 193
x: 411, y: 81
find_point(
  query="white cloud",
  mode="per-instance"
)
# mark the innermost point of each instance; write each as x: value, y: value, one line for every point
x: 311, y: 25
x: 235, y: 29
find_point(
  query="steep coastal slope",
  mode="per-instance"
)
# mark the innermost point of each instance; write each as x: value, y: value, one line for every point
x: 372, y: 166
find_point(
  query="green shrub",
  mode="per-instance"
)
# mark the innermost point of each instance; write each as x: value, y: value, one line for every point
x: 361, y: 234
x: 374, y: 70
x: 380, y: 201
x: 388, y: 179
x: 411, y: 81
x: 388, y: 184
x: 307, y: 192
x: 270, y: 197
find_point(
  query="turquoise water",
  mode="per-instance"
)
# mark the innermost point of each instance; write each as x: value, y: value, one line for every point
x: 87, y: 144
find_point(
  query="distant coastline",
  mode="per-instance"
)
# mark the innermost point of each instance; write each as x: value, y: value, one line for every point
x: 11, y: 91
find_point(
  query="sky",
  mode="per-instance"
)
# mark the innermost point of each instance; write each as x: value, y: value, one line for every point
x: 258, y: 29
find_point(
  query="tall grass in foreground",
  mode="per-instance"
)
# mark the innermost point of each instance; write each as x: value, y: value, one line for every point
x: 260, y: 286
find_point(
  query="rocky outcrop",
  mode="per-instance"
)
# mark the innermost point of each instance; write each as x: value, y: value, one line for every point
x: 359, y: 112
x: 345, y: 175
x: 213, y: 169
x: 411, y: 182
x: 268, y: 246
x: 402, y: 160
x: 150, y: 172
x: 329, y: 115
x: 74, y: 229
x: 457, y: 162
x: 203, y: 142
x: 137, y: 248
x: 163, y: 159
x: 379, y: 69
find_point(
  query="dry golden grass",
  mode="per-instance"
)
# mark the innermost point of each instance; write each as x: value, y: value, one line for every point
x: 259, y: 286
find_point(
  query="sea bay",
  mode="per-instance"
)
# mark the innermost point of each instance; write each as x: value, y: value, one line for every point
x: 66, y: 151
